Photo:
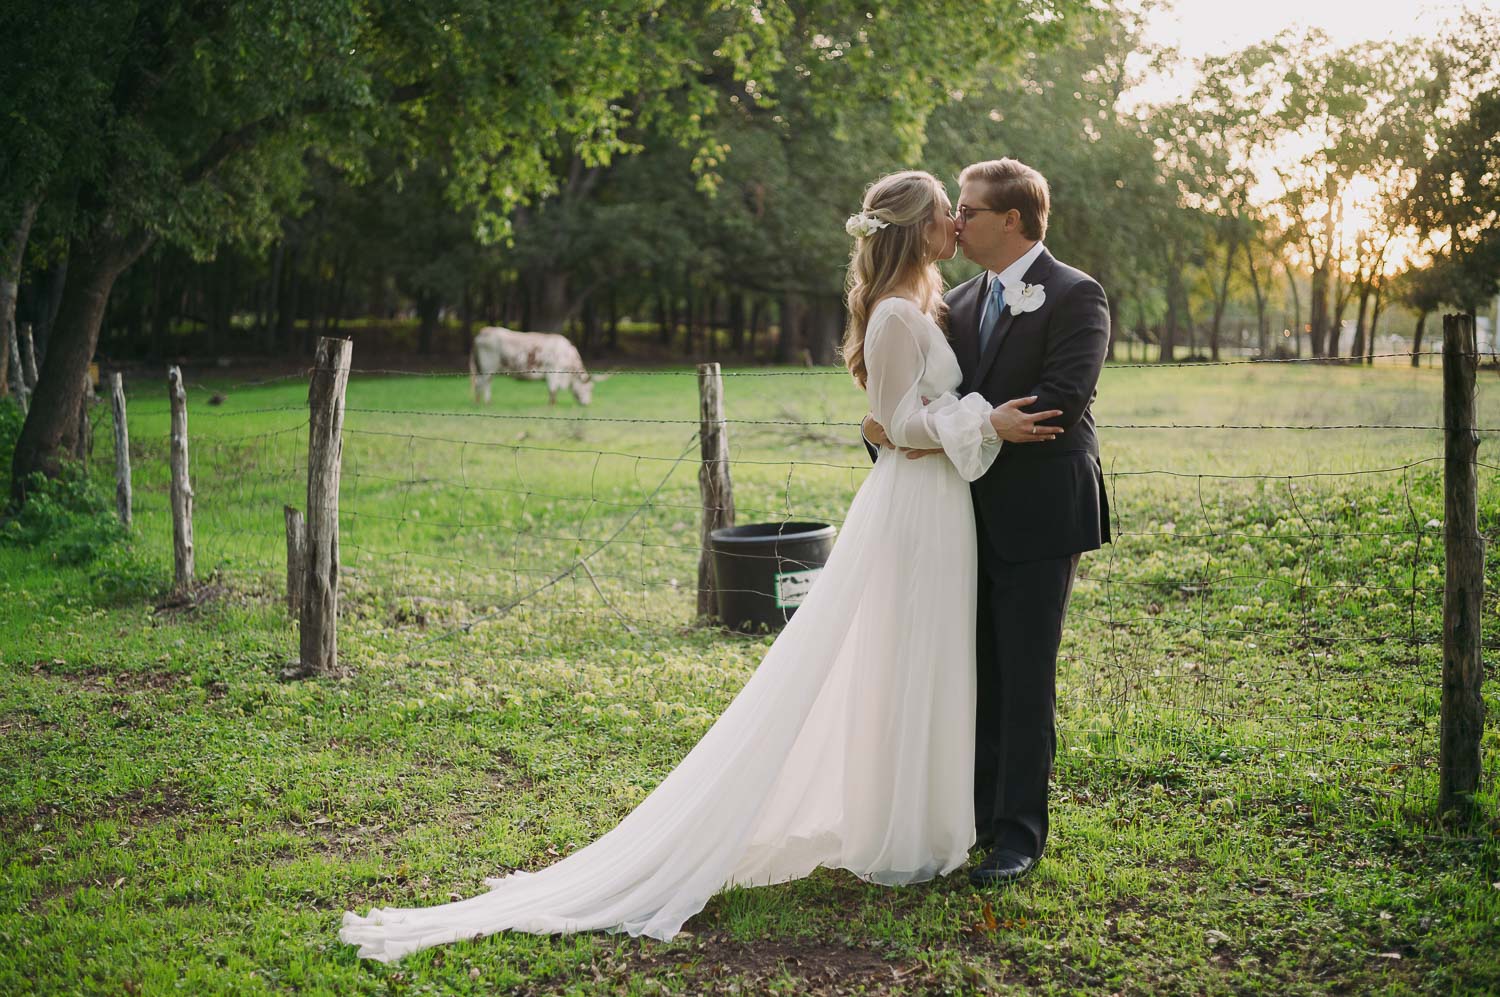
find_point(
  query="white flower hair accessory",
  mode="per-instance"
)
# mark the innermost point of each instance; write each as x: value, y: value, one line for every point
x: 1025, y: 297
x: 864, y: 225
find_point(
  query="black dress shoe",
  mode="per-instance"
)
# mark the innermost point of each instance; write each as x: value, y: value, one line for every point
x: 1003, y: 866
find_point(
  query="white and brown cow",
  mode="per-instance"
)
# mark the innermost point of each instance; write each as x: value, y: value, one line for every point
x: 529, y: 356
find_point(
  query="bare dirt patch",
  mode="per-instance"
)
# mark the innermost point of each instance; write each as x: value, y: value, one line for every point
x: 717, y: 964
x: 104, y: 680
x: 186, y: 602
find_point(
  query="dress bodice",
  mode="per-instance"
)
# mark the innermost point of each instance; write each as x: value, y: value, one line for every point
x: 912, y: 376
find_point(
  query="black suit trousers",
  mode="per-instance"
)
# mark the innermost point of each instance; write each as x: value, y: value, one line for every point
x: 1022, y: 605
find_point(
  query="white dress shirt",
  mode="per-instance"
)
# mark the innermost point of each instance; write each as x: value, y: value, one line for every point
x: 1010, y: 276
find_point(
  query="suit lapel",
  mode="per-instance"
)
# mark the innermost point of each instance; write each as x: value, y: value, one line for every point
x: 1035, y: 274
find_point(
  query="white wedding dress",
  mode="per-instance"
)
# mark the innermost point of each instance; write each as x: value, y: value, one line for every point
x: 852, y: 745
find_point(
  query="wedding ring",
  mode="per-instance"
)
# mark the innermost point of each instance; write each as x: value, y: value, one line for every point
x: 1033, y: 430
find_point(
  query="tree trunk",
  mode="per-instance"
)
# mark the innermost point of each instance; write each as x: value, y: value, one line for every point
x: 51, y: 428
x: 1262, y: 330
x: 1291, y: 279
x: 590, y: 333
x: 1317, y: 308
x: 319, y: 307
x: 663, y: 319
x: 1416, y: 338
x: 10, y: 282
x: 689, y: 321
x: 757, y: 315
x: 1220, y: 300
x: 159, y: 307
x: 1357, y: 348
x: 286, y: 321
x: 465, y: 317
x: 427, y: 315
x: 221, y: 303
x: 1341, y: 296
x: 273, y: 297
x: 1374, y: 320
x: 55, y: 281
x: 335, y: 315
x: 1168, y: 344
x: 737, y: 323
x: 822, y: 330
x: 550, y: 298
x: 789, y: 337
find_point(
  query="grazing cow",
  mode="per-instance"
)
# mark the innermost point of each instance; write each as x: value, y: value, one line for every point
x: 529, y: 356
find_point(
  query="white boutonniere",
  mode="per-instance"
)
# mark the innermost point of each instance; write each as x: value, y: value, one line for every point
x: 864, y: 225
x: 1025, y: 298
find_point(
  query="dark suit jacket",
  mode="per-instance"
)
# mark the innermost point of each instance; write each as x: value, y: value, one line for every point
x: 1039, y: 500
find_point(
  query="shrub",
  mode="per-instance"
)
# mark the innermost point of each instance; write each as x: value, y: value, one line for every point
x: 70, y: 521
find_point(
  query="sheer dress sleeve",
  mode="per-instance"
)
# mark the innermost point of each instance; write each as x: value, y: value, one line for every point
x: 896, y: 342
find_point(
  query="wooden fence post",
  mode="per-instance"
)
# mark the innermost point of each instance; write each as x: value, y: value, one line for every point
x: 28, y: 354
x: 83, y: 443
x: 182, y: 489
x: 714, y: 486
x: 296, y: 560
x: 17, y: 372
x: 1463, y: 593
x: 325, y: 448
x: 122, y: 447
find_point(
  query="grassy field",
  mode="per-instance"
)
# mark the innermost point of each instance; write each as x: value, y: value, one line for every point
x: 1244, y: 794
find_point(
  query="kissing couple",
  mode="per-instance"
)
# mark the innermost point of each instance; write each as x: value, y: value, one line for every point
x: 907, y: 711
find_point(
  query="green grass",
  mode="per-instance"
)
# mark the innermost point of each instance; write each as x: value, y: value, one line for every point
x: 1244, y: 795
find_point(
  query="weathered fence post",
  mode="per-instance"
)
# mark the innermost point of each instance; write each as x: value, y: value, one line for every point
x: 1463, y: 593
x: 17, y: 372
x: 296, y: 560
x: 83, y: 443
x: 122, y: 447
x: 325, y: 448
x: 182, y: 488
x: 28, y: 354
x: 713, y: 479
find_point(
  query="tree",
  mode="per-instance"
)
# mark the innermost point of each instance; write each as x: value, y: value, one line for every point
x: 1061, y: 111
x: 1321, y: 107
x: 213, y: 111
x: 1455, y: 200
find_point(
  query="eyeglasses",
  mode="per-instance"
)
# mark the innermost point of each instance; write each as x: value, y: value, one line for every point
x: 967, y: 213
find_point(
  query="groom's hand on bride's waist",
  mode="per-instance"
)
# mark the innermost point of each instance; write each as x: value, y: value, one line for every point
x: 874, y: 434
x: 1014, y: 426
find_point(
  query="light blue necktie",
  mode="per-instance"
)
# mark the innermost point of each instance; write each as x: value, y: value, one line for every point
x: 992, y: 310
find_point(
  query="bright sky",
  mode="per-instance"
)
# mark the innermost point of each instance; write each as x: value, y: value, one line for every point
x: 1216, y: 27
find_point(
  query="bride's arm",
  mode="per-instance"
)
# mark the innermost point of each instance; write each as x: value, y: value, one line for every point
x: 894, y: 363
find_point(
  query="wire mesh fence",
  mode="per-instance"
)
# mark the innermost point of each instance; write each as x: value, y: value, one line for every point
x: 1272, y: 599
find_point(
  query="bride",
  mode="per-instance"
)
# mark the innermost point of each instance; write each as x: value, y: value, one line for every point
x: 852, y: 745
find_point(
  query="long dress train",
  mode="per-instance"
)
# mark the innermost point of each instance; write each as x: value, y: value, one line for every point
x: 852, y: 745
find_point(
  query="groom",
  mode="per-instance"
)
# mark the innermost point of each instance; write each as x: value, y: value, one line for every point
x: 1030, y: 333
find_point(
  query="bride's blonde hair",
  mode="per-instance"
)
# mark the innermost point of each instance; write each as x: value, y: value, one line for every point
x: 895, y: 258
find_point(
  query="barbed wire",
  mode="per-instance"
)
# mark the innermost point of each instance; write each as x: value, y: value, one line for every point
x: 525, y: 539
x: 811, y: 423
x: 304, y: 372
